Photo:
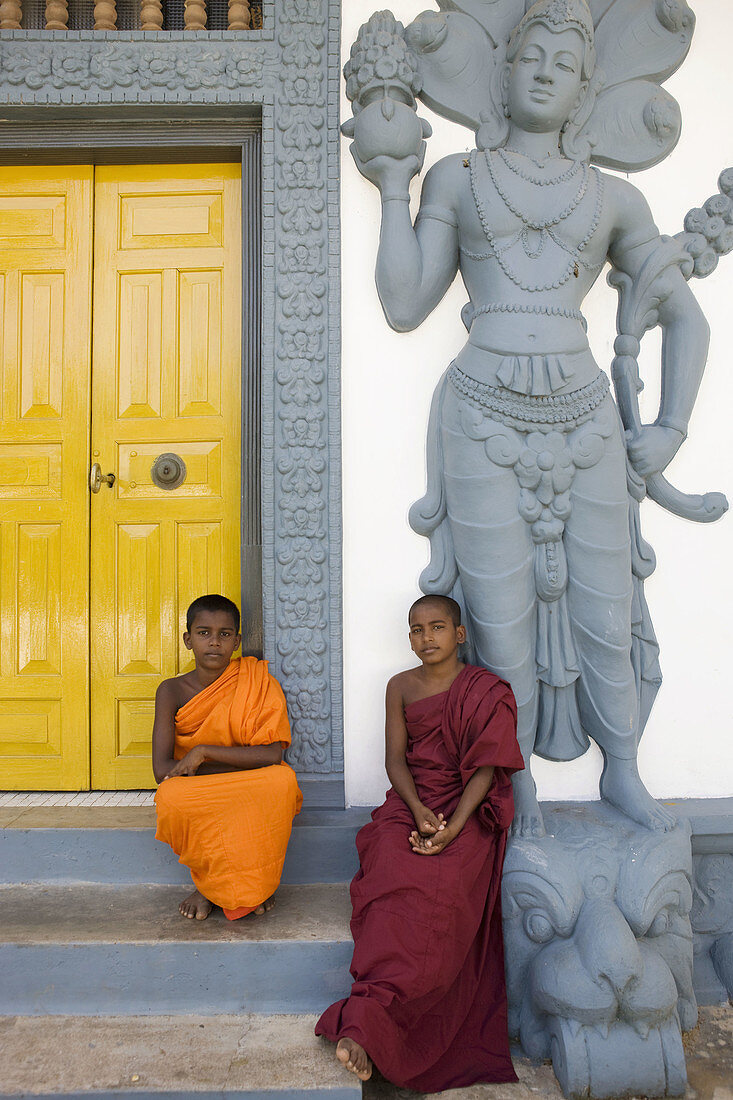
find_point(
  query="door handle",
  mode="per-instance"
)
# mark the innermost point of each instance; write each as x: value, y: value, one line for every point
x: 96, y: 477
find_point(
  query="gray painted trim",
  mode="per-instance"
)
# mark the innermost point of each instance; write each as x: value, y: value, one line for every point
x: 251, y: 512
x: 288, y: 72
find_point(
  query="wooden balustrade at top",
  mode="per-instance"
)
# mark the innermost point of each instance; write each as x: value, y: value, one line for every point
x: 151, y: 15
x: 239, y: 18
x: 57, y: 15
x: 11, y: 14
x: 105, y: 15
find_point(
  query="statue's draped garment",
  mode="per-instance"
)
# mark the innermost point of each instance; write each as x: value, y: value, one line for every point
x: 231, y: 829
x: 428, y: 1002
x: 532, y: 510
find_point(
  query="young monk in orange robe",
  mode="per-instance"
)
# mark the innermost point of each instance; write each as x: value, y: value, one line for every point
x: 226, y: 799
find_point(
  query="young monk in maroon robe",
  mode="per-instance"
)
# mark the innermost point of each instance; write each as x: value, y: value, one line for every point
x: 428, y: 1002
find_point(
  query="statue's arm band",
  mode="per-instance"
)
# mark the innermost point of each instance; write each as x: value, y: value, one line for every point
x: 673, y: 422
x: 628, y: 241
x: 439, y: 214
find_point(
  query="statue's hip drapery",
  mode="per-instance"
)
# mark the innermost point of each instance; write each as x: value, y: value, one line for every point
x: 532, y: 514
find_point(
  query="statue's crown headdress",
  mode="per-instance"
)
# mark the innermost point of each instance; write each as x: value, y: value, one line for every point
x: 560, y: 13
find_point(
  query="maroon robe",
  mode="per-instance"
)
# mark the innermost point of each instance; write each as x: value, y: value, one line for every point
x: 428, y: 1002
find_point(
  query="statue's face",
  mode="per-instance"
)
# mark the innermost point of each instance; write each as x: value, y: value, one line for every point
x: 544, y: 81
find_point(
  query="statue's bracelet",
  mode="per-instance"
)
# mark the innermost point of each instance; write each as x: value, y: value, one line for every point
x: 397, y: 196
x: 672, y: 422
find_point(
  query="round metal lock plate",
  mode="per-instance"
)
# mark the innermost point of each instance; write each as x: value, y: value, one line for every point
x: 168, y: 471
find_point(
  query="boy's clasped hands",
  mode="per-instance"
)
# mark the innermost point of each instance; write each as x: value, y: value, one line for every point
x: 432, y: 835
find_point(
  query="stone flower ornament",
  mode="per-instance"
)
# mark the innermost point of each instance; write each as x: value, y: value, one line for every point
x: 382, y: 80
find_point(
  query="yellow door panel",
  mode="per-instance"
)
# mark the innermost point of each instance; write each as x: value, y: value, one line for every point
x: 45, y: 327
x: 165, y: 381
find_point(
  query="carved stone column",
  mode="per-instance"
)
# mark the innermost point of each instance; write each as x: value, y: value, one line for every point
x: 57, y: 15
x: 105, y: 15
x: 194, y: 15
x: 239, y: 17
x: 151, y: 15
x: 11, y: 14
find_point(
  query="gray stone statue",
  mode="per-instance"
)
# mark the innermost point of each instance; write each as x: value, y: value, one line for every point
x: 534, y: 473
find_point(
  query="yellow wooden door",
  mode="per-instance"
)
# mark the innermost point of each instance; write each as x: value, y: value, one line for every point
x: 45, y: 304
x: 165, y: 381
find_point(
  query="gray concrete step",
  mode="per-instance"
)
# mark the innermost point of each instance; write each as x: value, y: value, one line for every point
x: 106, y: 950
x: 260, y: 1058
x: 117, y: 845
x: 194, y: 1056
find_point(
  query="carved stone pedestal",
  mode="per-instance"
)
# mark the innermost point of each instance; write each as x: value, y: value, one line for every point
x: 712, y: 923
x: 599, y: 951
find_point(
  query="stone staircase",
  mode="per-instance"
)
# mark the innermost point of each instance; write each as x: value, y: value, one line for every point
x: 106, y: 991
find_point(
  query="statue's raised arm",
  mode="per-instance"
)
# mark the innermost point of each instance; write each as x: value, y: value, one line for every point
x: 415, y: 265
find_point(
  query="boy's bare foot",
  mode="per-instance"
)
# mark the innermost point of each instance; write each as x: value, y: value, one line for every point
x: 355, y: 1058
x: 195, y: 906
x: 265, y: 907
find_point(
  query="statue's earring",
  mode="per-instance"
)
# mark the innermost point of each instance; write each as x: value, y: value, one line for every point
x: 507, y: 112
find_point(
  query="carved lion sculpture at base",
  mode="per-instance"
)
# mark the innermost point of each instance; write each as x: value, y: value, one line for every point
x: 599, y: 951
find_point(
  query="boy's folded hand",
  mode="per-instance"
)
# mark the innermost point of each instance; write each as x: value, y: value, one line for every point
x: 427, y: 822
x: 432, y: 845
x: 188, y: 764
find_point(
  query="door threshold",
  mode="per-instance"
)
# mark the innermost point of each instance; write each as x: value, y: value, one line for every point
x: 17, y: 800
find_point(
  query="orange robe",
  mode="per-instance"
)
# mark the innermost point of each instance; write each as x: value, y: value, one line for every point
x: 231, y: 829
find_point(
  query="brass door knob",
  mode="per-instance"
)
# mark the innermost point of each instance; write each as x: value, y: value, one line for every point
x: 96, y: 477
x: 168, y: 471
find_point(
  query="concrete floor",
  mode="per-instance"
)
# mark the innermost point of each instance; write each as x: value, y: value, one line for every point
x: 216, y: 1054
x: 174, y: 1055
x: 709, y: 1050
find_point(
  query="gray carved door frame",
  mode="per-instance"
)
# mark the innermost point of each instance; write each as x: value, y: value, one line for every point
x: 78, y: 95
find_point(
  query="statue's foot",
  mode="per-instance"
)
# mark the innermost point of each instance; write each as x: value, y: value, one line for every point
x: 621, y: 785
x: 528, y: 821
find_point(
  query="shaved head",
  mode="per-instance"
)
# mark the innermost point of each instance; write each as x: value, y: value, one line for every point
x: 212, y: 602
x: 450, y: 608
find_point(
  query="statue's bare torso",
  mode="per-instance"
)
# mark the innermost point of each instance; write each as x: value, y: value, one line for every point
x: 611, y: 208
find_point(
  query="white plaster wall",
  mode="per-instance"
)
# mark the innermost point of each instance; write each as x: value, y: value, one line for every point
x: 388, y: 380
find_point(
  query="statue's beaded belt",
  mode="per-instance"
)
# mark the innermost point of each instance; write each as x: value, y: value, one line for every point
x: 558, y: 409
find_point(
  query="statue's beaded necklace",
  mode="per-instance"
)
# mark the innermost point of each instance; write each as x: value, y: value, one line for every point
x: 545, y: 228
x: 535, y: 223
x: 539, y: 181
